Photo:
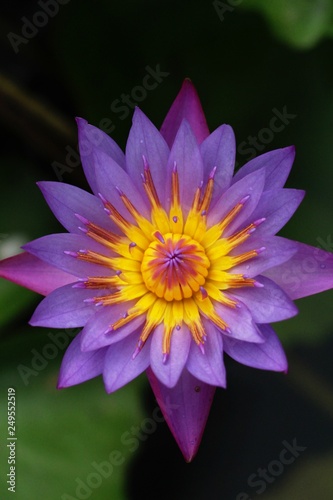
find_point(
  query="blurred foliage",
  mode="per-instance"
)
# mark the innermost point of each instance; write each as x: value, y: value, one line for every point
x: 300, y: 23
x: 85, y: 58
x: 61, y: 434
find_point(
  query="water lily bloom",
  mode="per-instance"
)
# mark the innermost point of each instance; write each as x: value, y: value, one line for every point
x: 171, y: 262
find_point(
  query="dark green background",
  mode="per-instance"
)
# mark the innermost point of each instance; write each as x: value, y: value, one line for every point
x: 245, y: 61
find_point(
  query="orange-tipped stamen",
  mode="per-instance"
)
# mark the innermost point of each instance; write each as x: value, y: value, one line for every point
x: 171, y: 272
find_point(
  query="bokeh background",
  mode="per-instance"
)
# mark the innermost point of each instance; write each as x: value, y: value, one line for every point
x: 249, y: 60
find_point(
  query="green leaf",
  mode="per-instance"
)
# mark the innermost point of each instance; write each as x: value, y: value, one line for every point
x: 76, y: 436
x: 300, y: 23
x: 307, y: 479
x: 14, y: 300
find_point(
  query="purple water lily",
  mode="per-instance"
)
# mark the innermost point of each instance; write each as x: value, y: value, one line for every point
x: 173, y: 261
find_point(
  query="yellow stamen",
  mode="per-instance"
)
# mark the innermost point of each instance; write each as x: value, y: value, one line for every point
x: 170, y: 270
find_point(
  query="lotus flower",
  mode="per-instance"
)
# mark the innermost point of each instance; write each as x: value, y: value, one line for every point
x: 171, y: 262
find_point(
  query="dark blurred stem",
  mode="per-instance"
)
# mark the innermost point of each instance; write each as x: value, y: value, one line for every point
x: 40, y: 126
x: 33, y: 107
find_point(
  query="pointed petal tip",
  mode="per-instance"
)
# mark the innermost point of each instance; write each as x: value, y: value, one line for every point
x: 62, y: 385
x: 29, y: 271
x: 185, y: 408
x: 188, y: 84
x: 32, y: 322
x: 137, y: 111
x: 189, y: 450
x: 80, y: 121
x: 186, y: 105
x: 288, y: 149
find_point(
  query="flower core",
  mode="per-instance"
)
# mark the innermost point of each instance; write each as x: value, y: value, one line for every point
x: 172, y: 269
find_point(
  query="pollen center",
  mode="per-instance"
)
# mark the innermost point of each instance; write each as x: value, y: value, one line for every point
x: 174, y: 266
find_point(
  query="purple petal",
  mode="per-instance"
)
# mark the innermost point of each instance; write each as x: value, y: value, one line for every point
x: 240, y: 322
x: 309, y: 271
x: 51, y: 249
x: 277, y: 250
x: 267, y: 304
x: 208, y: 366
x: 186, y: 105
x: 277, y: 206
x: 110, y: 179
x: 185, y: 153
x: 251, y: 185
x: 277, y: 166
x: 267, y: 356
x: 145, y: 140
x: 78, y: 366
x: 65, y: 308
x: 90, y: 139
x: 219, y: 150
x: 65, y: 201
x: 31, y: 272
x: 185, y: 408
x: 94, y: 334
x: 120, y: 367
x: 169, y: 372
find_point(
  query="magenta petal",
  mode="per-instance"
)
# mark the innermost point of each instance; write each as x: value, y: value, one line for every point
x: 78, y: 366
x: 120, y: 367
x: 185, y: 408
x: 309, y: 271
x: 169, y: 371
x: 66, y: 201
x: 277, y: 166
x: 65, y: 308
x: 112, y: 181
x: 252, y: 186
x: 186, y: 155
x: 277, y: 206
x: 52, y: 248
x: 267, y: 304
x: 267, y: 356
x: 146, y: 141
x: 208, y: 366
x: 277, y: 250
x: 90, y: 139
x: 219, y: 150
x: 94, y: 334
x: 31, y: 272
x: 239, y: 322
x: 186, y: 105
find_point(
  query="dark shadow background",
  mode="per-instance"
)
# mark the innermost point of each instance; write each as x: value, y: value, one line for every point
x: 255, y: 62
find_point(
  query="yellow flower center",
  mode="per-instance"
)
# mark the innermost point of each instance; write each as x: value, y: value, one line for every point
x: 174, y: 266
x: 174, y: 269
